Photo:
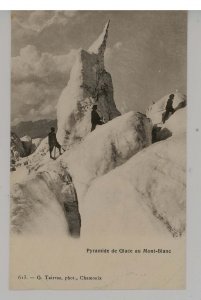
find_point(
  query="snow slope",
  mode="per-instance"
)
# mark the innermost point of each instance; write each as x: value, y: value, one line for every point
x: 147, y: 193
x: 144, y: 196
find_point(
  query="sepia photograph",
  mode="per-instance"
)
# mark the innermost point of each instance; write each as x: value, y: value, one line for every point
x: 98, y: 150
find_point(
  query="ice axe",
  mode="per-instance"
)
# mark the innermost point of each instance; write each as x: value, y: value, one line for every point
x: 54, y: 152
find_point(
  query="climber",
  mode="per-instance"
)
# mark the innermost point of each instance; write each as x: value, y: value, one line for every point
x: 52, y: 140
x: 169, y: 108
x: 95, y: 118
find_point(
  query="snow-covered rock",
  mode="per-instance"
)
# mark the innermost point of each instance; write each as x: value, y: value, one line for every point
x: 27, y: 144
x: 107, y: 147
x: 21, y: 150
x: 89, y: 84
x: 156, y: 110
x: 145, y: 196
x: 16, y: 149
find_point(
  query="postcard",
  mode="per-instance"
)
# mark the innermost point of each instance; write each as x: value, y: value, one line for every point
x: 98, y: 150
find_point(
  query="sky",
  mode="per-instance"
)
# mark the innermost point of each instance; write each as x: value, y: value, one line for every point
x: 146, y: 55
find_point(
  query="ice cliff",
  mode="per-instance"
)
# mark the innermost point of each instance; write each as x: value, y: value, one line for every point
x: 45, y: 202
x: 89, y: 84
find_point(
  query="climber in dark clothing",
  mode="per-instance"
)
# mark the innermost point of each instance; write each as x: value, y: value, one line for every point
x: 169, y: 108
x: 95, y: 118
x: 52, y: 140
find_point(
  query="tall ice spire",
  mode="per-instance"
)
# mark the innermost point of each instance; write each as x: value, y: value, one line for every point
x: 98, y: 47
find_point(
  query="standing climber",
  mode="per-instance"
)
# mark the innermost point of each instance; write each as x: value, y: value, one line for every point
x: 169, y: 108
x: 95, y: 118
x: 52, y: 140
